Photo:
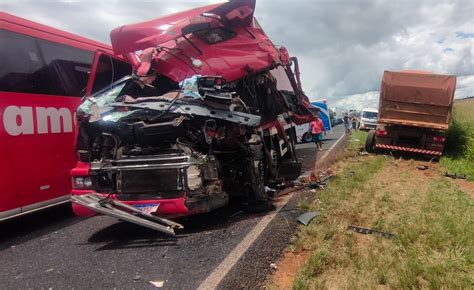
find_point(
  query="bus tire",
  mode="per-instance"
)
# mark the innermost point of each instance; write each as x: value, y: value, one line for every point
x: 307, y: 137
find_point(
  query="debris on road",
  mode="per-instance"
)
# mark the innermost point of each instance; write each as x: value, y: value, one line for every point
x: 307, y: 217
x: 368, y: 231
x: 455, y: 175
x: 125, y: 212
x: 422, y: 167
x: 137, y: 277
x: 270, y: 191
x: 157, y: 284
x: 273, y: 266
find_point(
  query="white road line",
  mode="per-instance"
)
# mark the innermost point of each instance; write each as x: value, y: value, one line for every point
x: 226, y: 265
x: 213, y: 280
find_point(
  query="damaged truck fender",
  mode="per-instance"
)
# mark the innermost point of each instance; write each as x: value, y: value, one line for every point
x: 182, y: 120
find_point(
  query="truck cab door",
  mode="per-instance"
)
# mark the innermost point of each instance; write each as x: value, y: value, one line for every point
x: 106, y: 69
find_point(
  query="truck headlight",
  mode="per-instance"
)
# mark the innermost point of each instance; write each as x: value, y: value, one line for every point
x: 81, y: 182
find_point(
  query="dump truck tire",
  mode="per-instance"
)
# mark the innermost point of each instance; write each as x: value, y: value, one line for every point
x: 370, y: 141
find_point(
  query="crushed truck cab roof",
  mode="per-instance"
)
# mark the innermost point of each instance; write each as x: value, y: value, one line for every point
x: 225, y: 38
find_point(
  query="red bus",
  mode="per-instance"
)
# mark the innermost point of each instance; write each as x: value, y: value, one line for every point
x: 43, y: 72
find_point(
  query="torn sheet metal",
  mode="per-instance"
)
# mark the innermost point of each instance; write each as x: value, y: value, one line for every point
x: 307, y: 217
x: 199, y: 110
x: 125, y: 212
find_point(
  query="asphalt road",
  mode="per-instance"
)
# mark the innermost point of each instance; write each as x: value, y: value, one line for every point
x: 54, y: 249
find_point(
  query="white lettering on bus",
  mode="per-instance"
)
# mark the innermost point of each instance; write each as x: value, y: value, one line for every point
x: 19, y: 120
x: 54, y: 116
x: 10, y: 117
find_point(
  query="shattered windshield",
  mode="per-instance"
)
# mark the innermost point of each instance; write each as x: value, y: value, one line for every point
x: 103, y: 97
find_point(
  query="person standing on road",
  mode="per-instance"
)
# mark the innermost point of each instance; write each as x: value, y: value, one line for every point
x: 347, y: 123
x: 317, y: 128
x: 354, y: 122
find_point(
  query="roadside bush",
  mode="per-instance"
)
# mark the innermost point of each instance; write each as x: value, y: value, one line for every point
x: 457, y: 139
x: 459, y: 150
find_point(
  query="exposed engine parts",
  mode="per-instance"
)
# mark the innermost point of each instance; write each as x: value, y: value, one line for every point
x: 197, y: 111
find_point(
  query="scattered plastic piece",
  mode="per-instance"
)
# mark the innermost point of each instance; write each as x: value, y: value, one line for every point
x: 273, y: 266
x: 307, y: 217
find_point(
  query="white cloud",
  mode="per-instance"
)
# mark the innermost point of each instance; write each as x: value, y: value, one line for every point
x: 343, y: 46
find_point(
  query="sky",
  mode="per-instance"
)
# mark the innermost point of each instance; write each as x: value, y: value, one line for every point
x: 343, y: 46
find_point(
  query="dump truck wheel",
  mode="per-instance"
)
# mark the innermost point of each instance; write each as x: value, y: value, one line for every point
x: 370, y: 141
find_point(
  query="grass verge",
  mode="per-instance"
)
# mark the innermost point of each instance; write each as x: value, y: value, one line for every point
x: 430, y: 216
x: 459, y: 151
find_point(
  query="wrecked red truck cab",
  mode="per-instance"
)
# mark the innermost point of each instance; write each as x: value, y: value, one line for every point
x: 200, y: 115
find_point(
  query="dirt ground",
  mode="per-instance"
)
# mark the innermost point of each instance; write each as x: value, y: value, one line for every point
x: 391, y: 192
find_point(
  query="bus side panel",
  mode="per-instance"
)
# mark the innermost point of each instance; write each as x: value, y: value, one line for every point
x: 8, y: 199
x: 38, y: 131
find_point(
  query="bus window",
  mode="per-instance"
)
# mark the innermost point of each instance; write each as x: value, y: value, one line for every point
x: 21, y: 63
x: 66, y: 67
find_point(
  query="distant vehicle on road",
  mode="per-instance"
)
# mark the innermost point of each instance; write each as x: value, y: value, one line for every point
x: 368, y: 119
x: 414, y: 113
x: 42, y: 74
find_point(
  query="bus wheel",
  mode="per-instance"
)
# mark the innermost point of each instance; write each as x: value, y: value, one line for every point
x: 370, y: 141
x: 307, y: 137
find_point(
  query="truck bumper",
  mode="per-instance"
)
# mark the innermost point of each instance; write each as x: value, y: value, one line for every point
x: 164, y: 207
x: 408, y: 149
x: 366, y: 126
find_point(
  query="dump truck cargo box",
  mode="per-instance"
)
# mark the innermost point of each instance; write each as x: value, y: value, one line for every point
x: 414, y: 98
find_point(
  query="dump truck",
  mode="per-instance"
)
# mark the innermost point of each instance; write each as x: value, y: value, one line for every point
x: 192, y: 112
x: 414, y: 113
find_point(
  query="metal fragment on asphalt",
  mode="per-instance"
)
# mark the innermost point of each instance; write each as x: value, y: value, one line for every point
x: 307, y: 217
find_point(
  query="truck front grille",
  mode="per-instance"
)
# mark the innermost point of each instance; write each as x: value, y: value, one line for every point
x: 151, y: 181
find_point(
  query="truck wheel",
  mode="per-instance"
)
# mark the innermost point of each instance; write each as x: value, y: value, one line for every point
x: 370, y: 141
x: 307, y: 137
x: 258, y: 199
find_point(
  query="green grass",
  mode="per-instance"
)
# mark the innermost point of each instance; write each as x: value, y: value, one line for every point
x: 459, y: 151
x: 431, y: 217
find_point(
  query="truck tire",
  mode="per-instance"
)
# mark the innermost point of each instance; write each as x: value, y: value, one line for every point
x: 258, y: 199
x: 370, y: 141
x: 307, y: 137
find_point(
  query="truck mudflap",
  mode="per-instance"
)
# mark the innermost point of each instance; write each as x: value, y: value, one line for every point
x: 408, y: 149
x: 125, y: 212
